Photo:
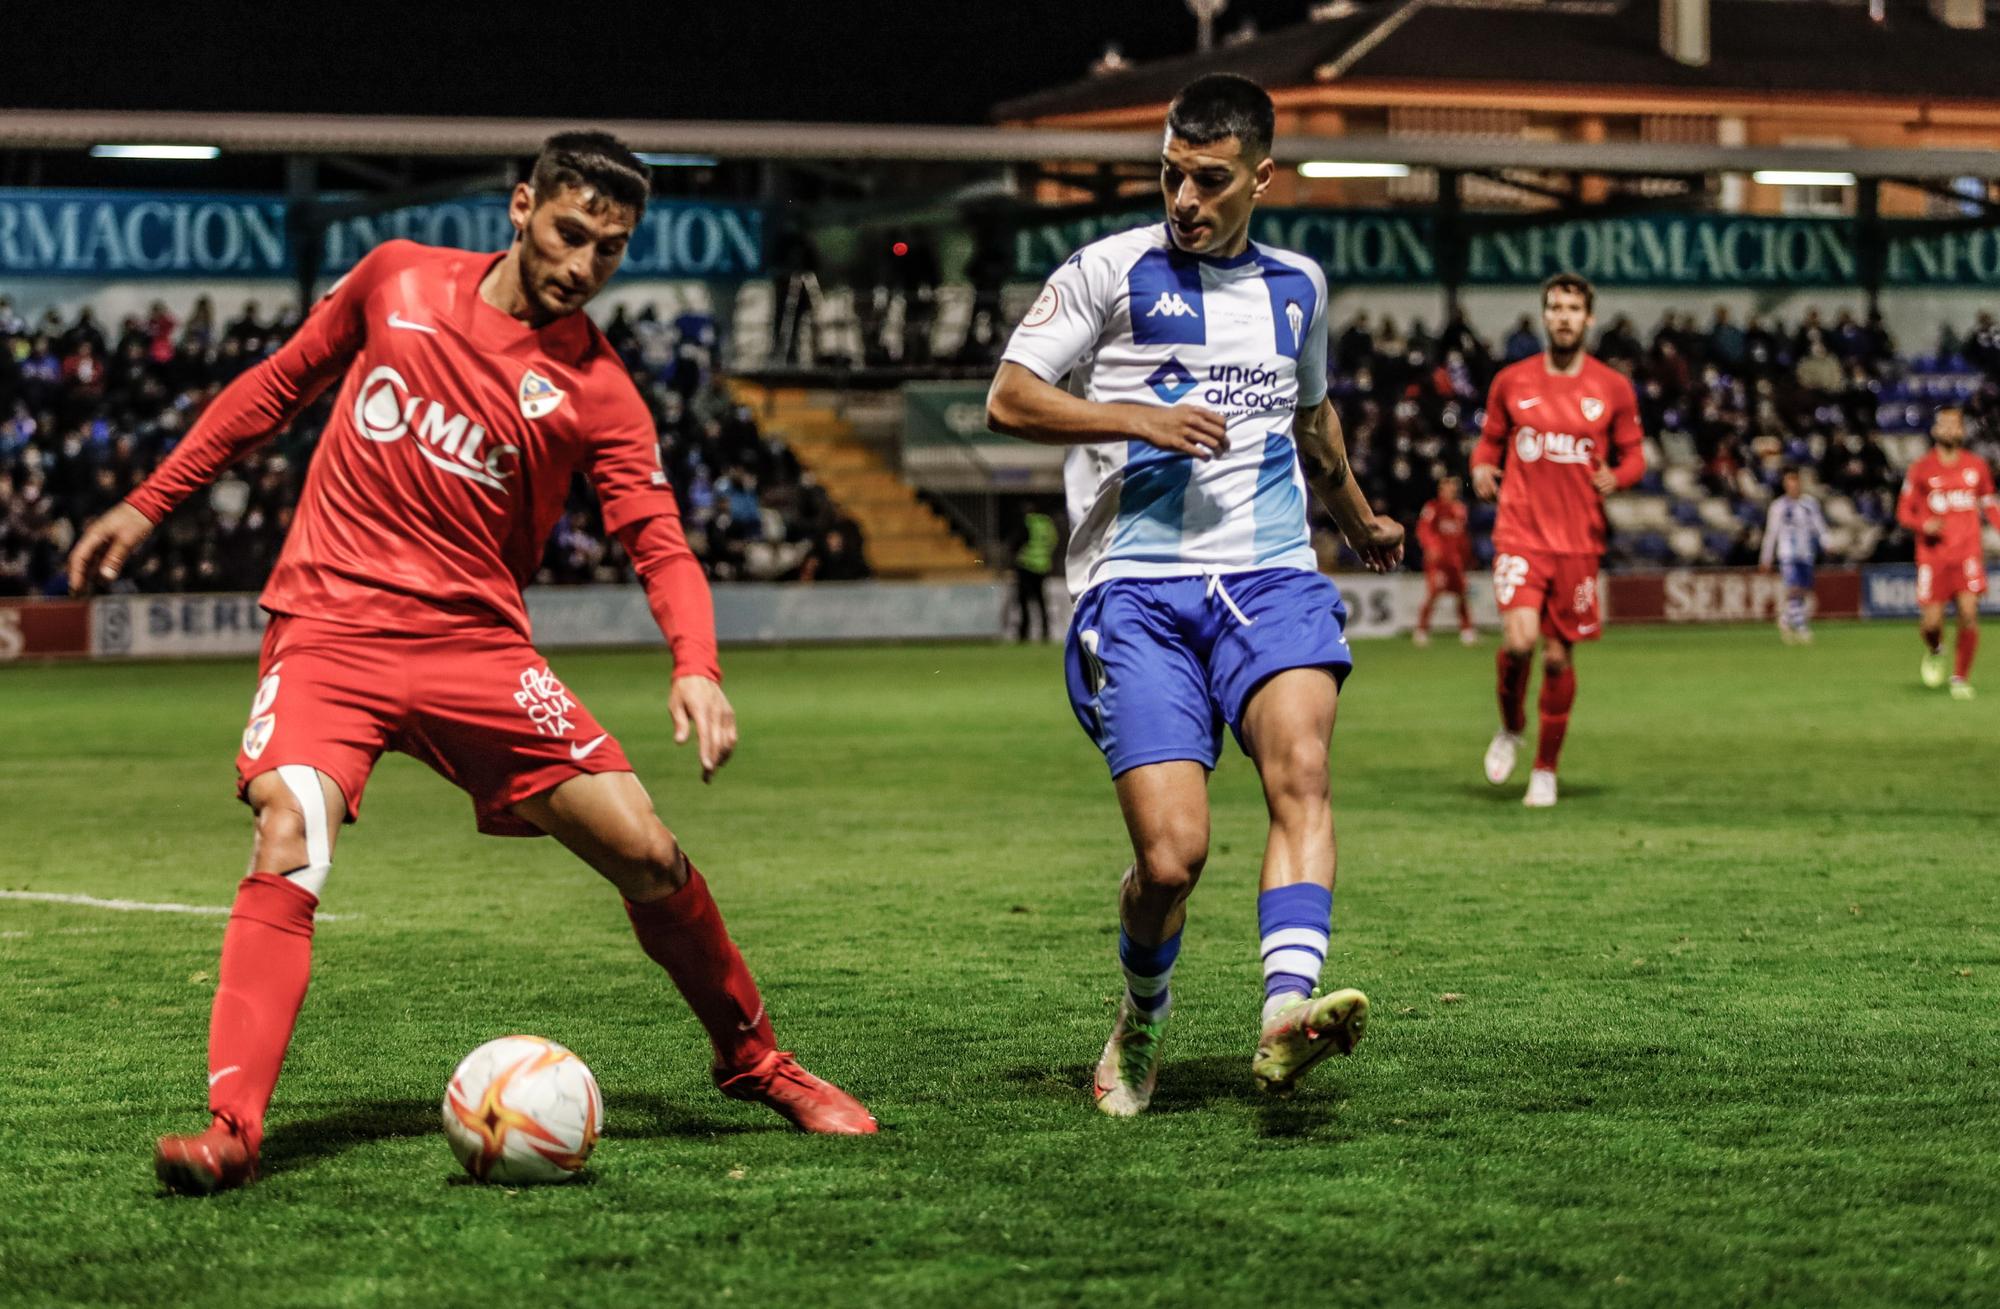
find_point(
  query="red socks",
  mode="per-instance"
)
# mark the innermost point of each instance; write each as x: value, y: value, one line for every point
x: 266, y: 960
x: 1513, y: 685
x: 1966, y: 647
x: 684, y: 934
x: 1558, y: 694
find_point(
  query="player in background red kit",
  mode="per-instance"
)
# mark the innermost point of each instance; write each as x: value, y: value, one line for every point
x: 1561, y: 433
x: 471, y: 388
x: 1944, y: 496
x: 1447, y: 547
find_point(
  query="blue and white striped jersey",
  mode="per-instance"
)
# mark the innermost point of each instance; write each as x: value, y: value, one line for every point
x: 1794, y: 531
x: 1132, y: 319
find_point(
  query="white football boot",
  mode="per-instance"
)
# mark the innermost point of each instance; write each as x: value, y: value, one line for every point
x: 1500, y: 756
x: 1934, y: 670
x: 1130, y: 1067
x: 1961, y: 689
x: 1468, y: 636
x: 1305, y: 1032
x: 1541, y: 789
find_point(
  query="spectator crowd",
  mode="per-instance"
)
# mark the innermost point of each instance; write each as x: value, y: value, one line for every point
x: 1726, y: 405
x: 87, y: 409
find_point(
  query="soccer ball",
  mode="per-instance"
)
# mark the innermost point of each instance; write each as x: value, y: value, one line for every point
x: 522, y: 1109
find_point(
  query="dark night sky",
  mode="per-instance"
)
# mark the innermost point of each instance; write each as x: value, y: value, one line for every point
x: 868, y: 61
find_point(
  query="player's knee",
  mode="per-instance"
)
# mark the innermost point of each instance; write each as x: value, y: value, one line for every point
x: 1296, y: 779
x: 653, y: 864
x: 280, y: 827
x: 1171, y: 862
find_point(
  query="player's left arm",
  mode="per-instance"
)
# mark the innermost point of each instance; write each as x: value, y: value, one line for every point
x: 1628, y: 445
x: 1988, y: 502
x: 640, y: 510
x: 1323, y: 455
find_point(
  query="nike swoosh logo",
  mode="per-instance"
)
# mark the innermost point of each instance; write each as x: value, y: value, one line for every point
x: 397, y: 320
x: 221, y: 1073
x: 751, y: 1026
x: 1586, y: 631
x: 1527, y: 404
x: 582, y: 751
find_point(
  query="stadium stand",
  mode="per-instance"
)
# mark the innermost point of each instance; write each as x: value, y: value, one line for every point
x: 86, y: 413
x: 1726, y: 406
x: 776, y: 487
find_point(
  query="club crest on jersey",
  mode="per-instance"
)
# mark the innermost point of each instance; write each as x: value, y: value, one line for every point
x: 1170, y: 305
x: 1593, y: 409
x: 539, y: 396
x: 1295, y: 318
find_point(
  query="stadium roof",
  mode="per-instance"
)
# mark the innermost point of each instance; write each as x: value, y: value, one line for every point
x: 1778, y: 47
x: 323, y: 134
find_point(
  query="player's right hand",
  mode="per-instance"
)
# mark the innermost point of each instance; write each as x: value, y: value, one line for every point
x: 1182, y: 429
x: 105, y: 546
x: 1485, y: 481
x: 1934, y: 530
x: 1381, y: 548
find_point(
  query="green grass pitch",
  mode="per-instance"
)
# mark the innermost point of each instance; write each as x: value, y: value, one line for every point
x: 1721, y: 1029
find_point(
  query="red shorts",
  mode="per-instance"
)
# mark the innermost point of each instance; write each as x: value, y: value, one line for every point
x: 1561, y: 587
x: 1443, y: 579
x: 1942, y: 575
x: 480, y: 707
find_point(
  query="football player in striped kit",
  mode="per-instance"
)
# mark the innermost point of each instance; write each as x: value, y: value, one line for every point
x: 1794, y: 534
x: 1196, y: 418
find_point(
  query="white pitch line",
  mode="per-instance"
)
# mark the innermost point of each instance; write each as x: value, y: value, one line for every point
x: 137, y: 906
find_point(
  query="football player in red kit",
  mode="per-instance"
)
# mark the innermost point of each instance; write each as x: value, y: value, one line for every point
x: 1945, y: 494
x: 1447, y: 547
x: 1561, y: 433
x: 471, y: 388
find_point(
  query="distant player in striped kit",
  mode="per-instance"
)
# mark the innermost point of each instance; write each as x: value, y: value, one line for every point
x: 1195, y: 418
x: 1794, y: 534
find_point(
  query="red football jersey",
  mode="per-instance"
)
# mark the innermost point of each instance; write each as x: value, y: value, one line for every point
x: 1956, y: 493
x: 1441, y: 532
x: 1550, y: 432
x: 448, y: 456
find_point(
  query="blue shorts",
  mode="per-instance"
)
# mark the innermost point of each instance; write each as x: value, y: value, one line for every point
x: 1799, y: 574
x: 1156, y: 666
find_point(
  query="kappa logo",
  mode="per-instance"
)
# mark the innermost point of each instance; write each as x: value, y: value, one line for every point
x: 1170, y: 305
x: 1593, y: 409
x: 385, y: 411
x: 539, y: 396
x: 1295, y: 318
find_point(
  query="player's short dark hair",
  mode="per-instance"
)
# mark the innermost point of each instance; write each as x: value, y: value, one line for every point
x: 596, y: 161
x: 1575, y: 283
x: 1221, y: 105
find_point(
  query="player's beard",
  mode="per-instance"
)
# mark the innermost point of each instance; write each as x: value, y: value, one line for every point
x: 538, y: 286
x: 1562, y: 356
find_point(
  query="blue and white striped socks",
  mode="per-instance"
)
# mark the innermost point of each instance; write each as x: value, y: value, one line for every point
x: 1294, y: 924
x: 1148, y: 970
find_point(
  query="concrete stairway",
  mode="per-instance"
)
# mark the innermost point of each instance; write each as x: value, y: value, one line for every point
x: 903, y: 536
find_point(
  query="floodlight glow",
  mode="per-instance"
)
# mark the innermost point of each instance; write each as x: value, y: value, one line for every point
x: 1799, y: 177
x: 660, y: 160
x: 154, y: 152
x: 1336, y: 168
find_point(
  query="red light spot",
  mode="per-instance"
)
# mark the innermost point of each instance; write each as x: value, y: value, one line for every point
x: 900, y: 249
